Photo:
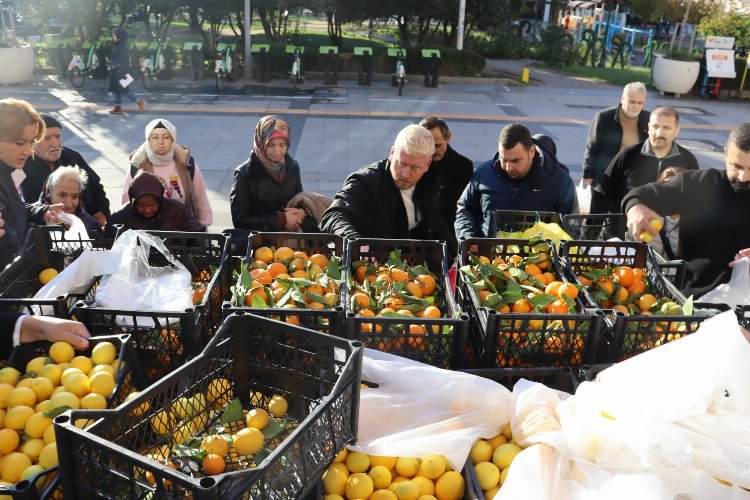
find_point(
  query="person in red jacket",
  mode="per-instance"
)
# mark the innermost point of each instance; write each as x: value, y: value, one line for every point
x: 150, y: 210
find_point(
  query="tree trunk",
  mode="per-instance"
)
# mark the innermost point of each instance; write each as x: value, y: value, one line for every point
x: 194, y: 21
x: 147, y: 24
x: 334, y: 27
x: 403, y: 29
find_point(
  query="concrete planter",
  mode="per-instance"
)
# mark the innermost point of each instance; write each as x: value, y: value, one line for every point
x: 17, y: 64
x: 675, y: 77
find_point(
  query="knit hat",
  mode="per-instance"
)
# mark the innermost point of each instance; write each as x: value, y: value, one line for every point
x: 145, y: 183
x: 161, y: 123
x: 50, y: 121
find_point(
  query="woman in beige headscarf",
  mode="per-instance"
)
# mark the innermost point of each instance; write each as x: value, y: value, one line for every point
x: 174, y: 166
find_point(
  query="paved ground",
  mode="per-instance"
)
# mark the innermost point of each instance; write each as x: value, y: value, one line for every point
x: 337, y: 130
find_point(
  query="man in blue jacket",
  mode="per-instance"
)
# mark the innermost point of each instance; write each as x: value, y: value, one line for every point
x: 523, y: 175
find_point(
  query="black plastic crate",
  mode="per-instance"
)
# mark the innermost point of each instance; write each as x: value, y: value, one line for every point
x: 319, y: 376
x: 127, y: 380
x: 520, y: 220
x: 443, y: 341
x: 328, y: 320
x: 673, y: 270
x: 505, y: 339
x: 593, y: 227
x: 44, y: 247
x: 562, y: 379
x: 588, y: 373
x: 635, y: 333
x: 164, y: 339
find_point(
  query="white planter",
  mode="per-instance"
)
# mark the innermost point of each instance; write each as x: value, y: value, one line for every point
x: 675, y: 77
x: 17, y: 64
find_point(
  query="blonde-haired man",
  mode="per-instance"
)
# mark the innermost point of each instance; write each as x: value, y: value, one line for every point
x: 391, y: 198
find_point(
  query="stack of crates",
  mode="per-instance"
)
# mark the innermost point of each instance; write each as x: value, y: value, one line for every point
x: 249, y: 360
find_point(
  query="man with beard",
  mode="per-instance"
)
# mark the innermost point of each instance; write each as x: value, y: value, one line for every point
x: 714, y: 207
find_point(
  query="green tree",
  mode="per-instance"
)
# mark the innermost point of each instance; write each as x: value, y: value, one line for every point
x: 727, y: 24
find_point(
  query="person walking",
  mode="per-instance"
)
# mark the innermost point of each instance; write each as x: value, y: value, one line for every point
x: 119, y: 67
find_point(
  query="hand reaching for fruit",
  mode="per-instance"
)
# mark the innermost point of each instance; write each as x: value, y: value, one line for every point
x: 644, y: 222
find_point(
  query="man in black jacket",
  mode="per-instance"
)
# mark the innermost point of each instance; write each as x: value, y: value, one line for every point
x: 49, y: 153
x: 614, y: 129
x: 714, y: 208
x: 452, y: 169
x: 643, y: 162
x: 393, y: 198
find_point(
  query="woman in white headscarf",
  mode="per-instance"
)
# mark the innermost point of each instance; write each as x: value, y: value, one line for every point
x: 174, y: 166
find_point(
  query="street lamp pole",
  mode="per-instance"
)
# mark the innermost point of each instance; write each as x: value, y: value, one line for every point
x: 248, y: 45
x: 461, y: 15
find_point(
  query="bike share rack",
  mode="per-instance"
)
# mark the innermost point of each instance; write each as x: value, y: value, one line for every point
x: 60, y: 52
x: 193, y: 51
x: 262, y: 66
x: 431, y: 60
x: 365, y: 73
x: 332, y: 64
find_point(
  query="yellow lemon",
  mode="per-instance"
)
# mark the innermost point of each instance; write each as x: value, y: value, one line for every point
x: 162, y: 422
x: 277, y: 406
x: 8, y: 441
x: 83, y: 363
x: 32, y: 448
x: 342, y: 455
x: 93, y: 401
x: 12, y: 466
x: 69, y: 372
x: 37, y: 424
x: 47, y: 275
x: 141, y: 410
x: 64, y: 398
x: 387, y: 462
x: 656, y: 224
x: 383, y: 495
x: 101, y: 368
x: 646, y: 237
x: 425, y: 485
x: 61, y: 352
x: 432, y: 466
x: 9, y: 375
x: 503, y: 475
x: 450, y: 486
x: 48, y: 456
x: 508, y: 432
x: 103, y: 353
x: 406, y: 490
x: 248, y: 441
x: 488, y: 475
x: 36, y: 364
x: 357, y: 462
x: 334, y: 479
x: 504, y: 455
x: 215, y: 445
x: 51, y: 372
x: 77, y: 384
x: 49, y: 435
x: 42, y: 406
x: 42, y: 387
x: 407, y: 467
x: 102, y: 383
x: 481, y: 451
x: 219, y: 390
x: 5, y: 389
x: 258, y: 418
x: 31, y: 471
x: 381, y: 477
x: 16, y: 417
x: 359, y: 485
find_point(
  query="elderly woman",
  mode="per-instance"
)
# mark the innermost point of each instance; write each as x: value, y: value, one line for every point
x: 20, y: 127
x: 267, y: 188
x: 175, y: 168
x: 65, y: 186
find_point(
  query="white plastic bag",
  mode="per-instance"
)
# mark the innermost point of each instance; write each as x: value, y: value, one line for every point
x: 737, y: 291
x: 418, y: 409
x: 136, y: 285
x: 583, y: 192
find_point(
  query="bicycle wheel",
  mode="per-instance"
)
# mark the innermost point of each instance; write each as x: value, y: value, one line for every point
x: 76, y: 77
x: 220, y: 80
x: 400, y: 85
x: 148, y: 79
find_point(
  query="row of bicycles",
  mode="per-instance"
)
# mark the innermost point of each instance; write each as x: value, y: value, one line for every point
x: 153, y: 64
